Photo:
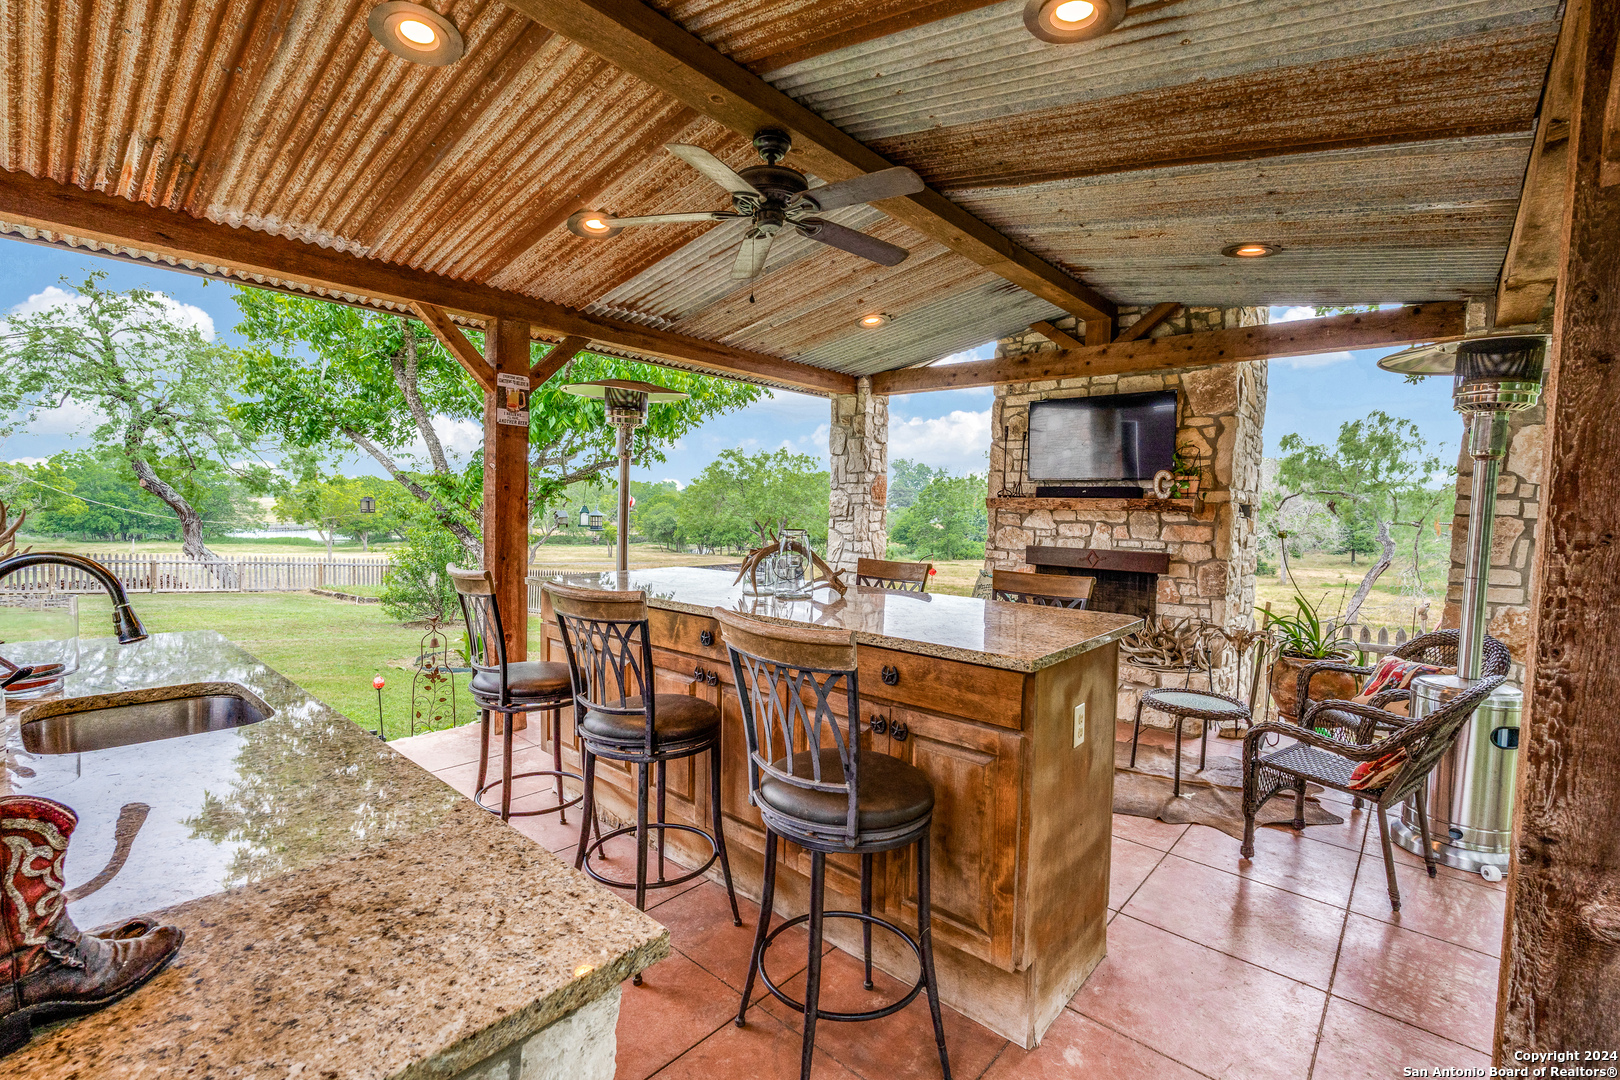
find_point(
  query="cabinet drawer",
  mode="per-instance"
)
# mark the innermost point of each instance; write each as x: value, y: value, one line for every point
x: 971, y: 691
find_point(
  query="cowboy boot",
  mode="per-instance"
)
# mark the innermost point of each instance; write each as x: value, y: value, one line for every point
x: 47, y: 967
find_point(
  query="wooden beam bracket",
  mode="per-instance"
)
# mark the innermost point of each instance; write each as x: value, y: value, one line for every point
x: 456, y: 343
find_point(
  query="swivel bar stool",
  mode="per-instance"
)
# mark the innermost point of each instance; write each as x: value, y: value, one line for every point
x: 522, y: 686
x: 838, y: 798
x: 621, y: 717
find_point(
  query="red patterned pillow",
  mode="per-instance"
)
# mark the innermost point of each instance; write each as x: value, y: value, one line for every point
x: 1377, y: 772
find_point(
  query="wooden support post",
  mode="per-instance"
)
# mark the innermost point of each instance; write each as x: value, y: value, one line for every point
x: 1560, y: 987
x: 506, y: 486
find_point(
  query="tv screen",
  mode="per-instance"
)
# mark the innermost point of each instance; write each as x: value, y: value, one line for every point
x: 1125, y: 438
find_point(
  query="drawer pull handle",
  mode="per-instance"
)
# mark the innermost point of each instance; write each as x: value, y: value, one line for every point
x: 879, y: 725
x: 899, y: 730
x: 706, y: 639
x: 891, y: 675
x: 697, y: 674
x: 712, y: 678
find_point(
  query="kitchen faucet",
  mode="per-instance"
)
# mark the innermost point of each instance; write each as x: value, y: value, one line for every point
x: 125, y: 622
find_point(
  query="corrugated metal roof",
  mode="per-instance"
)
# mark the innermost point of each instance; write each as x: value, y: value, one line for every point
x: 984, y: 64
x: 1415, y: 222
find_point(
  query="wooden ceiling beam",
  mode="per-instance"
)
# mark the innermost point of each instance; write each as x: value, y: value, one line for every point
x: 548, y: 365
x: 1061, y: 338
x: 169, y: 234
x: 1142, y: 327
x: 642, y: 42
x: 1361, y: 330
x: 456, y: 344
x: 1530, y: 269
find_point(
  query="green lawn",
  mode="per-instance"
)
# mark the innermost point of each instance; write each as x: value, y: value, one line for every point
x: 331, y: 648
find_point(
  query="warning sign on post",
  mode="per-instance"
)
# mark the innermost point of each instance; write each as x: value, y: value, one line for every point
x: 512, y: 400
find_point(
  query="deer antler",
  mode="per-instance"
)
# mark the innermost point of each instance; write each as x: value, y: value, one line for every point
x: 8, y: 533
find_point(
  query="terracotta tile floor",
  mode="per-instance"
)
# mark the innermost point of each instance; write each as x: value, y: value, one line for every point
x: 1289, y: 966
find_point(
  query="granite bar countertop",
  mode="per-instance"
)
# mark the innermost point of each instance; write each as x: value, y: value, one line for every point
x: 346, y: 913
x: 1019, y: 637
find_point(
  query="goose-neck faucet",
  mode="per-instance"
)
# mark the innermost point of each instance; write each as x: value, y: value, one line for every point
x: 125, y: 622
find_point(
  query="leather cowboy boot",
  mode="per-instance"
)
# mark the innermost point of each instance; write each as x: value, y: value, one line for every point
x: 47, y: 967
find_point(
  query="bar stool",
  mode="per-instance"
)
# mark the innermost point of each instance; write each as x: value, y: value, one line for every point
x: 510, y: 689
x: 620, y: 717
x: 1045, y: 590
x: 836, y: 799
x: 896, y: 576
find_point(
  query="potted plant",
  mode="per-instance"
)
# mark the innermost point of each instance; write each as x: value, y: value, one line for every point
x: 1187, y: 468
x: 1303, y: 638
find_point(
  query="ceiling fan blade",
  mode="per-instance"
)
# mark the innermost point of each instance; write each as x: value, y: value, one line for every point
x: 667, y: 219
x: 867, y: 247
x: 873, y: 187
x: 712, y: 167
x: 751, y: 256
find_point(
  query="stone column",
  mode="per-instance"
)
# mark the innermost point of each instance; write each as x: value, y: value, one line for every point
x: 858, y: 450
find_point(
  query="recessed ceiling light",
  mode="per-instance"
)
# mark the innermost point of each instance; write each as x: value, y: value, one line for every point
x: 1250, y: 250
x: 1064, y: 21
x: 592, y: 224
x: 419, y: 34
x: 874, y: 320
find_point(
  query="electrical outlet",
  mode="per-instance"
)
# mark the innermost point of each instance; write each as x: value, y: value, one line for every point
x: 1079, y: 723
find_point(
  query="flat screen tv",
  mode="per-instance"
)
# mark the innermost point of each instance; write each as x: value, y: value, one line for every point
x: 1123, y: 439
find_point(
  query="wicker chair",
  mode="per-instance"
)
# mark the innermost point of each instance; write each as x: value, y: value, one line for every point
x: 1362, y: 733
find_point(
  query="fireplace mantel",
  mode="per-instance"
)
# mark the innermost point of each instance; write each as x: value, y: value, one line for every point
x: 1086, y: 558
x: 1192, y: 504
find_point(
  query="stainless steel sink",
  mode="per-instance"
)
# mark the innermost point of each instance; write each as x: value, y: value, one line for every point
x: 104, y: 721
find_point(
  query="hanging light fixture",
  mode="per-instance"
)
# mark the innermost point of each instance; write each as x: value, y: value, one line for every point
x: 626, y: 402
x: 368, y: 505
x: 1063, y: 22
x: 417, y: 33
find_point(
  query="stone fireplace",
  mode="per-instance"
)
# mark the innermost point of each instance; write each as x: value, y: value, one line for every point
x: 1192, y: 556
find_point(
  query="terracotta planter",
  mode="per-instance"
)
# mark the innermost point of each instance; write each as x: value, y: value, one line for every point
x: 1328, y: 684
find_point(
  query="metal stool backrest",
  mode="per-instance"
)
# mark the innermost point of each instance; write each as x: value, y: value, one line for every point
x: 1427, y: 739
x: 605, y: 636
x: 899, y: 576
x: 1047, y: 590
x: 486, y: 640
x: 787, y: 678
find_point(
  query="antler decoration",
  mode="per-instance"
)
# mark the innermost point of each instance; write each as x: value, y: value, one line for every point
x: 771, y: 544
x: 8, y: 533
x: 1168, y: 643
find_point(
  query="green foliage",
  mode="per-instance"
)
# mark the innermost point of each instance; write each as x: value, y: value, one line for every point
x: 331, y: 504
x: 1304, y: 634
x: 907, y: 479
x: 656, y: 515
x: 947, y: 520
x: 417, y: 586
x: 94, y: 495
x: 720, y: 507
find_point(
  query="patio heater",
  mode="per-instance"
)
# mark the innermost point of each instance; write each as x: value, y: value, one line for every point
x: 1470, y: 792
x: 626, y: 403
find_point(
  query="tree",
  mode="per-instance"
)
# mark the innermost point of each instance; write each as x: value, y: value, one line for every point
x: 331, y: 505
x: 657, y: 512
x: 948, y: 520
x: 94, y: 495
x: 159, y: 387
x: 907, y: 479
x: 721, y: 506
x: 1380, y: 470
x: 325, y: 377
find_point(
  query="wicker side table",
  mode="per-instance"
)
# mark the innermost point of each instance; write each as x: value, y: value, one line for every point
x: 1205, y: 706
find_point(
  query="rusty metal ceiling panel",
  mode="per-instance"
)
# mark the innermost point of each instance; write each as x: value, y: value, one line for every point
x: 1422, y: 221
x: 983, y: 65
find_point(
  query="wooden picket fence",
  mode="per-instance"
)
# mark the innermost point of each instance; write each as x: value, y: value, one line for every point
x: 177, y: 573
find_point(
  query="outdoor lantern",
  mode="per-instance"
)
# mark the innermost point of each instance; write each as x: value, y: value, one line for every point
x: 596, y: 521
x: 584, y: 517
x: 626, y: 402
x: 368, y: 505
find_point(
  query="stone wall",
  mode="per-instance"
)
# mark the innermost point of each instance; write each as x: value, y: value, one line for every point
x: 858, y: 453
x: 1513, y: 537
x: 1212, y: 549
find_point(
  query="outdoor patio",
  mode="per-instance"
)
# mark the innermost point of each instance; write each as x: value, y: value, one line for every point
x: 1291, y: 966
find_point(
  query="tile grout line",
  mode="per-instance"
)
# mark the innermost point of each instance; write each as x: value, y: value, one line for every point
x: 1156, y: 864
x: 1131, y: 1038
x: 1344, y: 928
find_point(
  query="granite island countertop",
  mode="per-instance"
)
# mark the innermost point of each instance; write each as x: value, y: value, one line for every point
x: 1018, y: 637
x: 346, y: 913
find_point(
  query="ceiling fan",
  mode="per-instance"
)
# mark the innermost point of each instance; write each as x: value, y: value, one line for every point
x: 770, y: 198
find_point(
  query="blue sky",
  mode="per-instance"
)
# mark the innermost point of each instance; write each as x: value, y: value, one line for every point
x: 951, y: 429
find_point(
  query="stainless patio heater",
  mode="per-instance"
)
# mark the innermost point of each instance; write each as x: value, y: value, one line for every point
x: 1470, y: 792
x: 626, y: 402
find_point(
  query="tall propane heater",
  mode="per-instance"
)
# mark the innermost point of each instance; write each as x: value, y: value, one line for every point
x: 1470, y: 793
x: 626, y: 403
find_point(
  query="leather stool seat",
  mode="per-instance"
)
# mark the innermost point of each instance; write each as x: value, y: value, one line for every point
x: 889, y: 792
x: 525, y: 679
x: 676, y: 718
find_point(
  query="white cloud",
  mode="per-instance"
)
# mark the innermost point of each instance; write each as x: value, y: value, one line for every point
x: 1320, y: 360
x: 1292, y: 314
x: 52, y: 298
x: 957, y: 441
x: 981, y: 352
x: 69, y: 419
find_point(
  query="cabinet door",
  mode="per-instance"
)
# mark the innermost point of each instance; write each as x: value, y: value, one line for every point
x: 974, y: 842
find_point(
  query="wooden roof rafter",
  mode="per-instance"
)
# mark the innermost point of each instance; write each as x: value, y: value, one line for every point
x: 642, y: 42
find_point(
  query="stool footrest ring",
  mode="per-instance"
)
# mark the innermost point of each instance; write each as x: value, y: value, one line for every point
x: 478, y: 796
x: 630, y: 830
x: 845, y: 1017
